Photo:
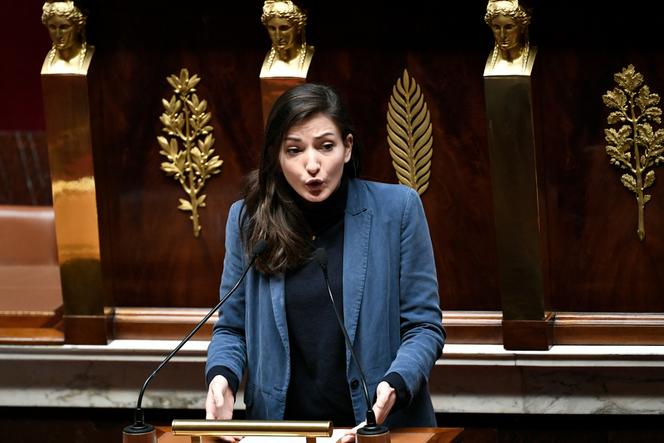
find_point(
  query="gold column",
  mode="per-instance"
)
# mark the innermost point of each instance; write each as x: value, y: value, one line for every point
x: 67, y: 112
x: 508, y: 98
x: 516, y: 211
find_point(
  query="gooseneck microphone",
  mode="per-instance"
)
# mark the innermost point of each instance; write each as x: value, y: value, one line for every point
x: 141, y: 431
x: 372, y: 431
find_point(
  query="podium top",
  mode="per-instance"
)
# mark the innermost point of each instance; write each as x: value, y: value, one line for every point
x: 404, y: 435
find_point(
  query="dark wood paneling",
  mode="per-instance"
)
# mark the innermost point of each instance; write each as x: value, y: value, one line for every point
x: 154, y: 258
x: 595, y: 261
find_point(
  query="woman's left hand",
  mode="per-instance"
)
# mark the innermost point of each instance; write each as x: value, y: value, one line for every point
x: 386, y: 396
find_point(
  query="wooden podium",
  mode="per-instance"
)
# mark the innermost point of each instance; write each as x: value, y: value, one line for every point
x: 405, y: 435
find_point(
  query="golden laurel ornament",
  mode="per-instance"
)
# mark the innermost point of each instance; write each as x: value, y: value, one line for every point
x: 188, y: 144
x: 635, y: 146
x: 409, y: 134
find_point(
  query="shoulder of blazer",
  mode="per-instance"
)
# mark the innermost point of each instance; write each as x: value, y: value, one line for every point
x: 369, y: 195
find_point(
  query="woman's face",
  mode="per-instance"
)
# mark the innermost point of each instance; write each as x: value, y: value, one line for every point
x: 506, y: 32
x: 62, y: 32
x: 312, y: 157
x: 283, y: 33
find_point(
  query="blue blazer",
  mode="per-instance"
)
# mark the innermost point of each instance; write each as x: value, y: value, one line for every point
x: 391, y: 308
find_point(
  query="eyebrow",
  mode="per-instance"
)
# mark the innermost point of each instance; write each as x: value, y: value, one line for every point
x: 295, y: 138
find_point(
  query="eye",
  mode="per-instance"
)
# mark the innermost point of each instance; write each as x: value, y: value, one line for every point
x: 328, y: 146
x: 292, y: 150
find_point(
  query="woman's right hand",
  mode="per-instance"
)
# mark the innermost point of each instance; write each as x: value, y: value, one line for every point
x: 219, y: 403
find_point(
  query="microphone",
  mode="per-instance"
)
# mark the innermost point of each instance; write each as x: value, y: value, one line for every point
x: 372, y: 431
x: 141, y: 432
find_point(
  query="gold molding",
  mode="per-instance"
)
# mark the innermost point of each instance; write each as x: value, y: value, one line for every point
x: 192, y: 165
x: 409, y: 134
x: 635, y: 146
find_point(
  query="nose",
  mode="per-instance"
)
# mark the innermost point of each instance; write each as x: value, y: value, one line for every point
x: 313, y: 164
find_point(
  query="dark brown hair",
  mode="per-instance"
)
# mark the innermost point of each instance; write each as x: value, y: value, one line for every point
x: 270, y: 211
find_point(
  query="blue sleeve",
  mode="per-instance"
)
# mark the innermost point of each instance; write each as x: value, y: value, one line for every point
x: 421, y: 330
x: 228, y: 344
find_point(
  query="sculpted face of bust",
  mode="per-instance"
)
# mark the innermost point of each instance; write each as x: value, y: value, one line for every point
x: 506, y: 31
x: 63, y: 33
x: 283, y: 33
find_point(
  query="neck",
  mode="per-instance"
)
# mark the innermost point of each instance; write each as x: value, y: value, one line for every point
x: 321, y: 215
x: 512, y: 54
x: 289, y: 54
x: 69, y: 53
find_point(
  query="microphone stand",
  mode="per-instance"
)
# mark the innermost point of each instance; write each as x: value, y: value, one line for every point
x: 371, y: 432
x: 141, y: 432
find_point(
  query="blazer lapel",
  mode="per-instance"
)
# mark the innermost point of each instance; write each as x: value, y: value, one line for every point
x: 277, y: 289
x: 357, y: 231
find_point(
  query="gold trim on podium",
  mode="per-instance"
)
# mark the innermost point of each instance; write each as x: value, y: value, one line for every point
x: 217, y: 428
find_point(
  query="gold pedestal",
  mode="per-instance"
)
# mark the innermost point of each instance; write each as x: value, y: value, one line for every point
x: 272, y: 88
x: 67, y: 112
x: 516, y: 210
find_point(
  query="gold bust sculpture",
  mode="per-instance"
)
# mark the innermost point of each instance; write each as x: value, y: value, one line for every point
x: 289, y: 56
x: 512, y: 53
x: 70, y: 53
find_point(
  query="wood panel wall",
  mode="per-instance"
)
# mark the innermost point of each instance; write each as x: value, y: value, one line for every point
x: 595, y: 261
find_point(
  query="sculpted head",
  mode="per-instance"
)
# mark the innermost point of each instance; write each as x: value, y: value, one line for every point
x: 66, y: 26
x: 509, y: 23
x: 285, y: 23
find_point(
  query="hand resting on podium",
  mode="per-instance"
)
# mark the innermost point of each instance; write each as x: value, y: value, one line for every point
x: 386, y: 396
x: 220, y: 400
x: 219, y: 403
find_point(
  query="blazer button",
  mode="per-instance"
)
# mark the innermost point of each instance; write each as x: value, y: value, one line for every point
x: 354, y: 383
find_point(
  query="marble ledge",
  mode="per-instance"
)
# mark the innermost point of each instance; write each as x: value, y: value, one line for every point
x: 467, y: 379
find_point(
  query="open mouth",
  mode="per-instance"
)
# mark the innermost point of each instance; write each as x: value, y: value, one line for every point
x: 314, y: 184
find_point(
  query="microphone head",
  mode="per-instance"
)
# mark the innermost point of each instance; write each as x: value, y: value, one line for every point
x: 260, y: 247
x: 321, y: 257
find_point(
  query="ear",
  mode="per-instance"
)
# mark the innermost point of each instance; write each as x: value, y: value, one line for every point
x: 348, y: 148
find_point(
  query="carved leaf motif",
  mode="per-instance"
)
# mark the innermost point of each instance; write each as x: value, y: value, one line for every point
x: 636, y: 146
x: 615, y: 117
x: 628, y: 79
x: 649, y: 180
x: 615, y: 99
x: 190, y: 163
x: 644, y: 99
x: 185, y: 205
x: 629, y: 182
x: 409, y: 134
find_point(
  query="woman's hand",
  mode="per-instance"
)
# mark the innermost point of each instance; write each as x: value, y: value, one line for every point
x: 386, y: 396
x: 219, y: 403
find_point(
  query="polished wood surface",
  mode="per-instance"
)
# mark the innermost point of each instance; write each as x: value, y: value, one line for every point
x: 406, y: 435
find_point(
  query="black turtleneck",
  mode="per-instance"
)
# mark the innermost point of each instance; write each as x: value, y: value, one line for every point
x: 319, y: 388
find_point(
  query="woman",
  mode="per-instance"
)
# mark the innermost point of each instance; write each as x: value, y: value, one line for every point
x: 66, y: 26
x: 280, y: 326
x: 289, y: 56
x: 512, y: 54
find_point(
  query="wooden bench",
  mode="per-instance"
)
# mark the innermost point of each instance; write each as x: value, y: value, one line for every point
x: 30, y: 291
